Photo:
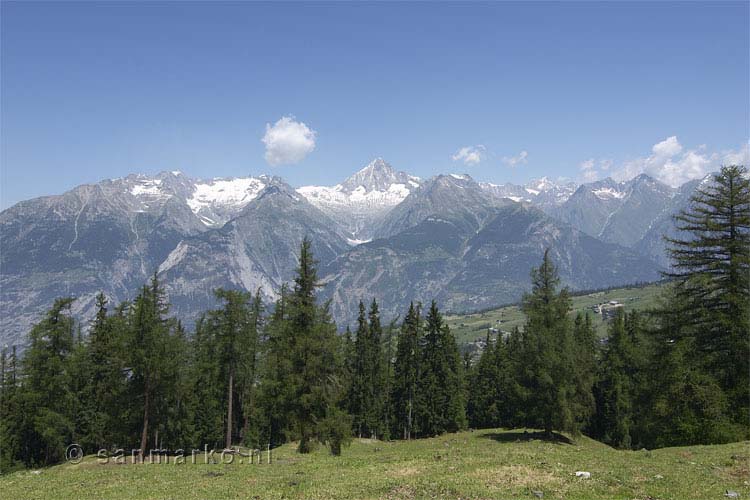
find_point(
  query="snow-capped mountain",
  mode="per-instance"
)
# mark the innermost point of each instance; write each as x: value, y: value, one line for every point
x: 213, y: 201
x: 363, y: 199
x: 447, y: 237
x: 543, y: 192
x: 218, y: 200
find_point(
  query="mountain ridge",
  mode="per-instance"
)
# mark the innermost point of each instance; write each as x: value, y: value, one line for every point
x: 244, y: 232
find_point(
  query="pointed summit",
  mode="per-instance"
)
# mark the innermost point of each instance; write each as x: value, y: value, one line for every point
x: 378, y: 175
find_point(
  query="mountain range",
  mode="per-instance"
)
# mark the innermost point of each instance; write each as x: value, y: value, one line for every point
x: 380, y: 233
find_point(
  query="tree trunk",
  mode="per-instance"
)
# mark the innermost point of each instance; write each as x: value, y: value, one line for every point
x: 229, y: 412
x: 144, y: 433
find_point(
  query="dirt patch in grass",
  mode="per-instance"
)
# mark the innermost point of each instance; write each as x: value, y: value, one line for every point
x: 517, y: 476
x: 401, y: 491
x: 405, y: 471
x: 739, y: 470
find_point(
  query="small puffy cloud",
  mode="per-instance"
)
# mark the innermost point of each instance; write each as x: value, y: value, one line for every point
x: 512, y: 161
x: 667, y: 148
x: 288, y: 141
x: 470, y: 155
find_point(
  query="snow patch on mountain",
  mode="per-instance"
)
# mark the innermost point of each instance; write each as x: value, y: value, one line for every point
x: 148, y: 187
x: 608, y: 193
x: 225, y: 192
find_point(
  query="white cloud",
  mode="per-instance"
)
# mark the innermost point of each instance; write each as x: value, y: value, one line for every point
x: 470, y: 155
x: 288, y: 141
x: 588, y: 164
x: 668, y: 162
x: 667, y: 148
x: 588, y: 172
x: 741, y: 157
x: 512, y: 161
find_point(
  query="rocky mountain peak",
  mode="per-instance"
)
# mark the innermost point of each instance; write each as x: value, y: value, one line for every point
x: 378, y: 175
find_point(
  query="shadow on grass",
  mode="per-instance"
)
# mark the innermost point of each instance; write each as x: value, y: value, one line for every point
x: 518, y: 436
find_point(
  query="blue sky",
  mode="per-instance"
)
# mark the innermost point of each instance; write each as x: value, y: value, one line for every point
x: 99, y: 90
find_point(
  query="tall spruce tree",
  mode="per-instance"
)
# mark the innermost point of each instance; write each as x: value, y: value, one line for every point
x: 376, y: 418
x: 105, y: 382
x: 389, y: 353
x: 359, y: 395
x: 10, y: 417
x: 685, y: 402
x: 149, y: 348
x: 615, y: 388
x: 46, y: 405
x: 314, y: 369
x: 248, y: 376
x: 585, y: 348
x: 711, y: 273
x: 487, y: 402
x: 547, y: 361
x: 406, y: 373
x: 208, y: 413
x: 441, y: 400
x: 233, y: 324
x: 275, y: 392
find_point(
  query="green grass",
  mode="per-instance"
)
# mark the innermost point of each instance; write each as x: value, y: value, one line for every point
x: 471, y: 327
x: 479, y: 464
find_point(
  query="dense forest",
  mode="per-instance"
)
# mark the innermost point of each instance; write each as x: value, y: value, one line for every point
x: 247, y: 375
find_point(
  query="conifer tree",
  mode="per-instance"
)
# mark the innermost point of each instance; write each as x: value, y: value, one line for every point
x: 314, y: 368
x: 10, y: 417
x: 367, y: 393
x: 406, y: 373
x: 376, y: 419
x: 441, y: 398
x: 389, y: 353
x: 105, y: 383
x: 274, y: 395
x: 359, y: 395
x: 233, y: 325
x: 208, y: 414
x: 46, y: 401
x: 487, y: 399
x: 148, y: 345
x: 547, y: 375
x: 585, y: 347
x: 249, y: 372
x: 685, y: 402
x: 711, y: 273
x: 614, y: 390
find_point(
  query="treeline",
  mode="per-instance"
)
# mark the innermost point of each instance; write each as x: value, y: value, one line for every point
x: 676, y: 375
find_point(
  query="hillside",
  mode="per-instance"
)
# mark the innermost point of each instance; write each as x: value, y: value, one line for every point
x: 469, y: 328
x: 478, y: 464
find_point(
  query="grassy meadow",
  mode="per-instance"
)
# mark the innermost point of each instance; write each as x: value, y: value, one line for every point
x: 482, y: 464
